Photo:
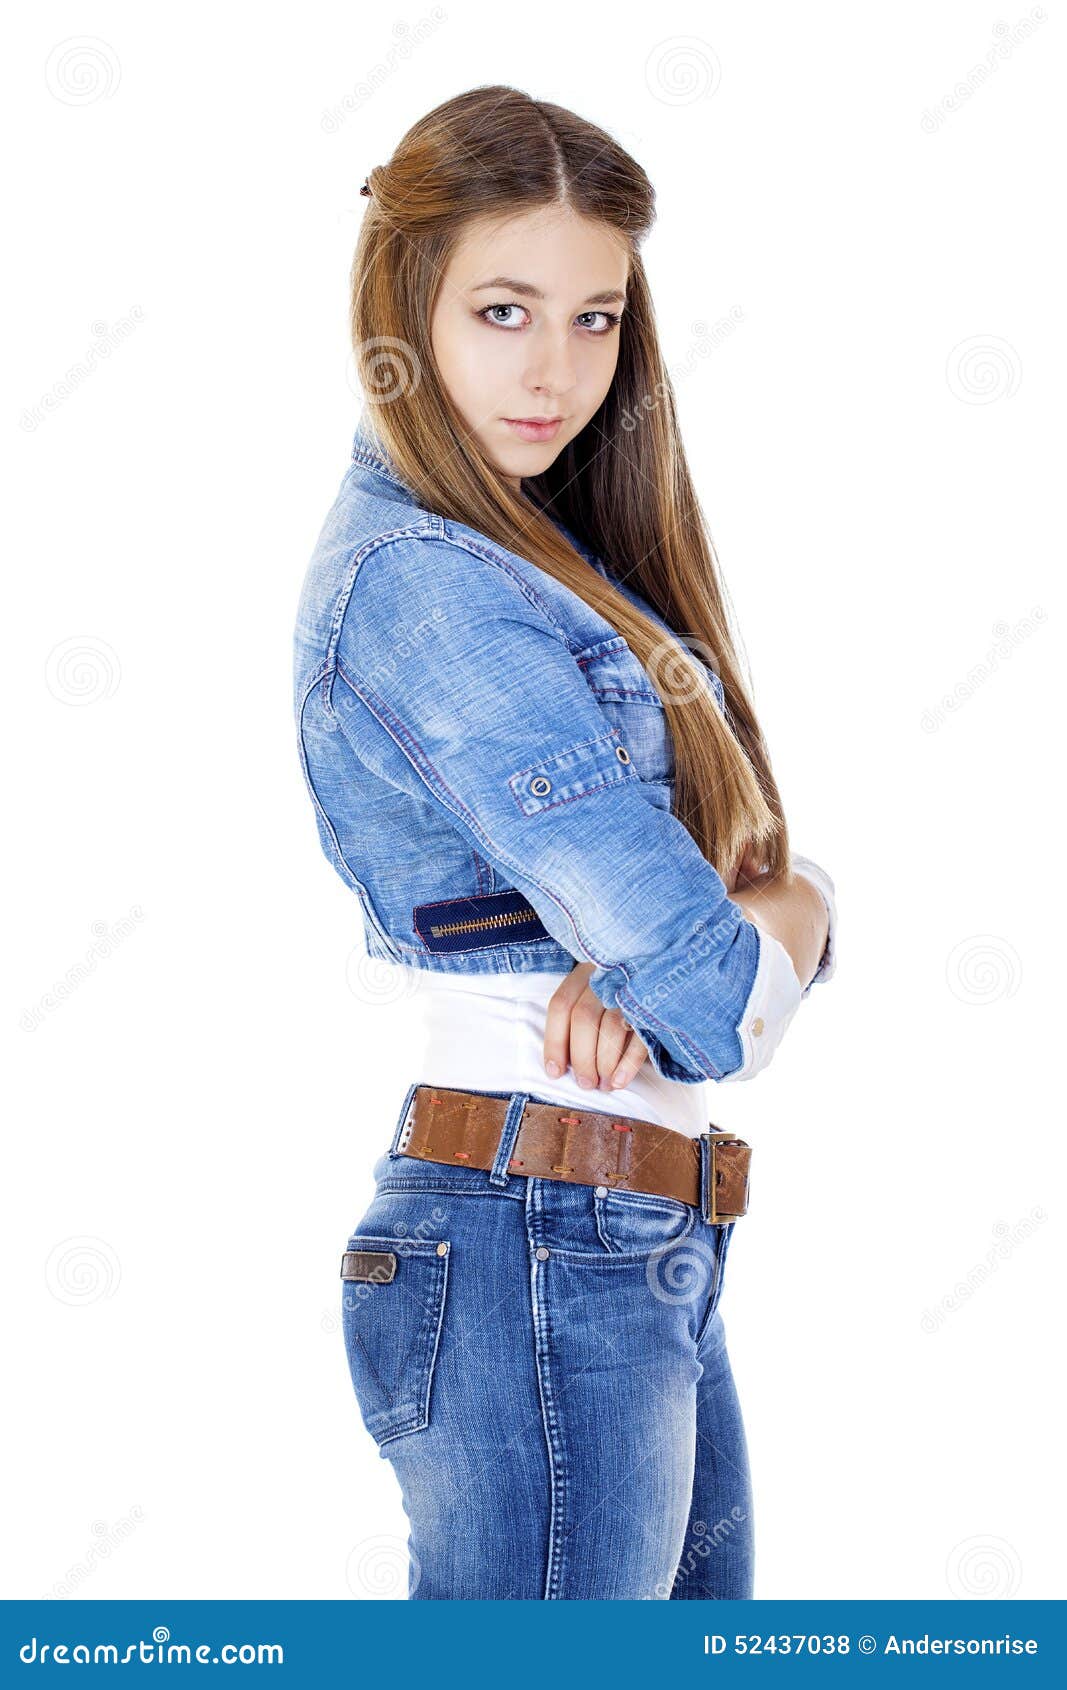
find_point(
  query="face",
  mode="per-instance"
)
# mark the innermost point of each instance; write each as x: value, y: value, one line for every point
x: 525, y: 327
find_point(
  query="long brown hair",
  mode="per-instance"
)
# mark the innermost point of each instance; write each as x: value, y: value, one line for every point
x: 622, y: 486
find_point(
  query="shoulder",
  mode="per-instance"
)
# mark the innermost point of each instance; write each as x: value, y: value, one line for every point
x: 433, y: 567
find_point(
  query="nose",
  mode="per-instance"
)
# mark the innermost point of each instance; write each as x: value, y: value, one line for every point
x: 551, y: 365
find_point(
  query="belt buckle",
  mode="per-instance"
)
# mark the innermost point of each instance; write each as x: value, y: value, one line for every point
x: 709, y: 1193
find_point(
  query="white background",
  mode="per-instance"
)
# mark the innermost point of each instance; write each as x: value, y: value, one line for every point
x: 877, y: 444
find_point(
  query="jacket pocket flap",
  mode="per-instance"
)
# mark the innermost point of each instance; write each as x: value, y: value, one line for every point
x: 587, y: 767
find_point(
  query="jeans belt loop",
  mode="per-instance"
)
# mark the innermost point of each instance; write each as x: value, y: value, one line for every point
x: 509, y: 1132
x: 402, y: 1130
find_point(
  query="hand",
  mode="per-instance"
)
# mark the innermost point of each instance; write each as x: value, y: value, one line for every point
x: 596, y: 1042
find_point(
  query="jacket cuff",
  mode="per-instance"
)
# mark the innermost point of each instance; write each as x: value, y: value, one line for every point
x: 772, y: 1003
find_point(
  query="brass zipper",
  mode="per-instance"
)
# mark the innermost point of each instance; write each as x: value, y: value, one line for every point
x: 505, y: 920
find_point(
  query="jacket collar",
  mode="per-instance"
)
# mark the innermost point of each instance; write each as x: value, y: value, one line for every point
x: 368, y: 448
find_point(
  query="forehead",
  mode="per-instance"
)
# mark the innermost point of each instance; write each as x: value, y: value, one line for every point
x: 552, y: 247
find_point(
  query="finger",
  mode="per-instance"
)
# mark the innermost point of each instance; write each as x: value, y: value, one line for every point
x: 558, y: 1020
x: 586, y: 1015
x: 632, y: 1060
x: 611, y: 1042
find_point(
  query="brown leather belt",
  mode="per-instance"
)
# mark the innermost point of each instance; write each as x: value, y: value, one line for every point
x: 582, y: 1146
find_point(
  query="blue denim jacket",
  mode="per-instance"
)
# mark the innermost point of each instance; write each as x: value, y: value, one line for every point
x: 491, y: 775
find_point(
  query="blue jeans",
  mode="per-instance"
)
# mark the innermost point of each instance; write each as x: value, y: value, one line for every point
x: 546, y: 1371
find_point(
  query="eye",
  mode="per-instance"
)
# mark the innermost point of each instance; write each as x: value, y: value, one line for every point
x: 496, y: 321
x: 611, y: 320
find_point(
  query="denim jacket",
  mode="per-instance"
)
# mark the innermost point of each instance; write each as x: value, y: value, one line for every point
x: 491, y: 774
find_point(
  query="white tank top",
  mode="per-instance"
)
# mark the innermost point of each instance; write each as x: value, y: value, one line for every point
x: 485, y: 1032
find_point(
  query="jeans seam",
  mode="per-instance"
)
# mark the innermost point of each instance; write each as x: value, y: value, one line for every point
x: 714, y: 1295
x: 449, y: 1190
x: 541, y: 1316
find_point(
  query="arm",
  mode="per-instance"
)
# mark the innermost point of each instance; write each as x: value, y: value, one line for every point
x: 602, y: 1049
x: 793, y: 910
x: 819, y: 877
x: 452, y: 680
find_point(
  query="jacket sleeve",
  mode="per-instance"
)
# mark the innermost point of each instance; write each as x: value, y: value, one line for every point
x: 453, y: 681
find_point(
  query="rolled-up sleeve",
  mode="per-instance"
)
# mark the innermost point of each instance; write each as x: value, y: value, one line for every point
x: 776, y: 991
x: 772, y: 1004
x: 452, y: 680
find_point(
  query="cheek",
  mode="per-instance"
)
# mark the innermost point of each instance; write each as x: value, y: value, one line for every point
x: 470, y: 357
x: 602, y: 369
x: 443, y: 344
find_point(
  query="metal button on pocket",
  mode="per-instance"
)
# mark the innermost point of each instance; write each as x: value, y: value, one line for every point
x: 601, y: 1190
x: 541, y: 1253
x: 539, y: 786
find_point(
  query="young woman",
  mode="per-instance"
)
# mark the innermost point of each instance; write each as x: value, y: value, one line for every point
x: 534, y: 760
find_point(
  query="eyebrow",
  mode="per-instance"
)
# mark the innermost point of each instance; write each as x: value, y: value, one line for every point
x: 610, y: 296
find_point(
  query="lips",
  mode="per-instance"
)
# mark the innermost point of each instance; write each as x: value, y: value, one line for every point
x: 534, y: 428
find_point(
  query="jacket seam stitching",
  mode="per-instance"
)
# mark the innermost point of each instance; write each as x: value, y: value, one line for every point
x: 400, y: 732
x: 507, y: 570
x: 410, y: 531
x: 368, y: 903
x: 699, y: 1058
x: 579, y: 745
x: 602, y: 785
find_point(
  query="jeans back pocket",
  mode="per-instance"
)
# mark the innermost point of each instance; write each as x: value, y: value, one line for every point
x: 392, y: 1310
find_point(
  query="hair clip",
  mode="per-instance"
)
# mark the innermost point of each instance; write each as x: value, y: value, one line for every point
x: 365, y: 189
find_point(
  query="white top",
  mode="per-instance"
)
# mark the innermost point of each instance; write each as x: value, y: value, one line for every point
x: 485, y: 1032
